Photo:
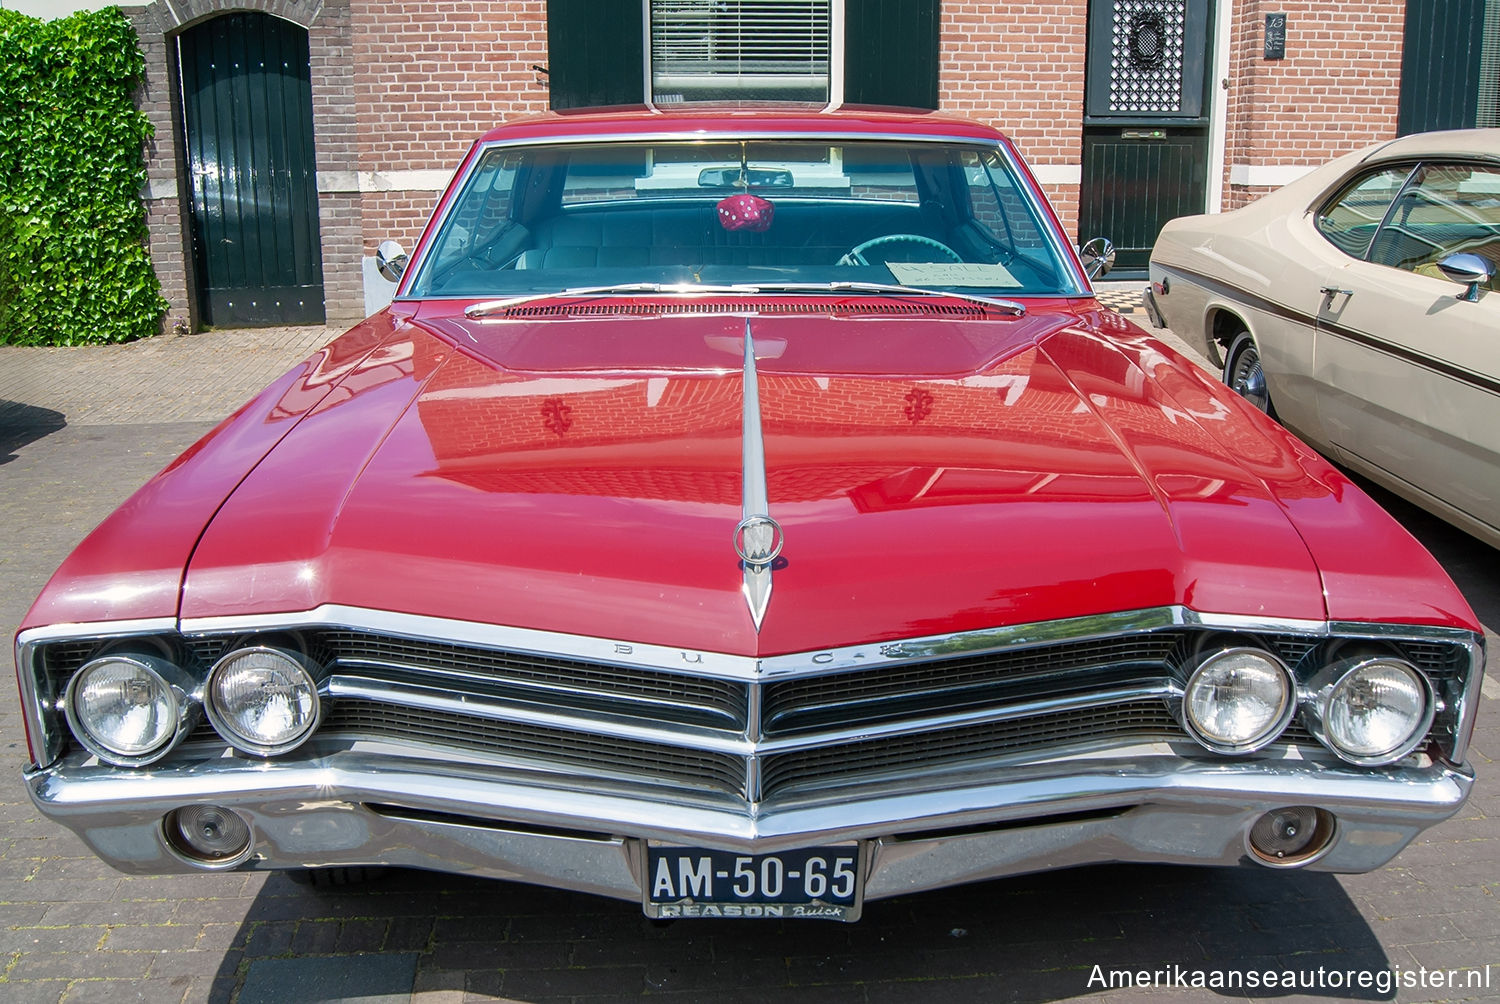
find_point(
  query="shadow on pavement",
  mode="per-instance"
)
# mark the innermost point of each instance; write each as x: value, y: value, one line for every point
x: 21, y: 424
x: 1047, y: 937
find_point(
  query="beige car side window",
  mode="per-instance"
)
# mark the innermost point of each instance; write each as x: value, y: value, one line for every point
x: 1450, y: 208
x: 1352, y: 218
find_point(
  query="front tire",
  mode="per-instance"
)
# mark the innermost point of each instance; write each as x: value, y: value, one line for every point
x: 1245, y: 375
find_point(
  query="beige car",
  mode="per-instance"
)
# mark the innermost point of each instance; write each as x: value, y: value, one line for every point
x: 1359, y: 306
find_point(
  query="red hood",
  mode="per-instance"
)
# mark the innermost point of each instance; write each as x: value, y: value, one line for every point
x: 585, y: 475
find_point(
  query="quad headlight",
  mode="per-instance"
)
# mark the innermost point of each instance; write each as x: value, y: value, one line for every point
x: 125, y: 709
x: 1375, y: 711
x: 1238, y: 700
x: 262, y: 700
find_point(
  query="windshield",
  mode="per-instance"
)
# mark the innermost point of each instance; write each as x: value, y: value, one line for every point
x: 938, y: 216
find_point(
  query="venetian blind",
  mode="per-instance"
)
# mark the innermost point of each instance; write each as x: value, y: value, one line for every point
x: 707, y: 50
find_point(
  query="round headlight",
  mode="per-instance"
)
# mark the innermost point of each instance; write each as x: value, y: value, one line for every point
x: 1378, y: 712
x: 262, y: 700
x: 1238, y: 700
x: 123, y: 710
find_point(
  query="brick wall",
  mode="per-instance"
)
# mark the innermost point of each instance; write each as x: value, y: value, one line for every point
x: 1337, y: 89
x: 429, y: 79
x: 1019, y: 68
x: 400, y: 91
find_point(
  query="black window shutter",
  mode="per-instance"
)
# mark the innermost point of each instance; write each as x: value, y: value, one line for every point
x: 1440, y: 59
x: 891, y: 53
x: 595, y: 53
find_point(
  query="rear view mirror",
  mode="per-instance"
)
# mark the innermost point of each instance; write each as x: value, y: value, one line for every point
x: 755, y: 177
x: 1098, y: 257
x: 1470, y: 269
x: 390, y: 260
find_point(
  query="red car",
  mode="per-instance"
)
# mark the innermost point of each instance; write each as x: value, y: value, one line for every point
x: 747, y: 514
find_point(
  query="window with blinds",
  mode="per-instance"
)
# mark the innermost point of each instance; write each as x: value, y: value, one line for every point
x: 727, y: 50
x: 1489, y: 69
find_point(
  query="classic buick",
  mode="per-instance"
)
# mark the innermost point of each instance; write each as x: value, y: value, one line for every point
x: 747, y: 514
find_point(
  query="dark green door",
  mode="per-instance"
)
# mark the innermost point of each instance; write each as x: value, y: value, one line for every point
x: 1442, y: 42
x: 247, y: 122
x: 1145, y: 125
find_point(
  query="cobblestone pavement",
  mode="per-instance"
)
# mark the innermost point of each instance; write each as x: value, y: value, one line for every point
x: 81, y: 428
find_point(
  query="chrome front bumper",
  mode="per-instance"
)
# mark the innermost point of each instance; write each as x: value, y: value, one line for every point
x: 354, y: 808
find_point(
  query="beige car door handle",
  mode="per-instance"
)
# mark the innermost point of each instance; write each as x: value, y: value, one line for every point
x: 1331, y: 291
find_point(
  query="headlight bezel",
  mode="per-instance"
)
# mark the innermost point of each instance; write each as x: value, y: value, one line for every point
x: 237, y: 738
x: 1268, y: 733
x: 1336, y: 677
x: 165, y: 675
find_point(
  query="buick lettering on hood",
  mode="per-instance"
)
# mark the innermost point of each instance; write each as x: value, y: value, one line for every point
x: 747, y: 513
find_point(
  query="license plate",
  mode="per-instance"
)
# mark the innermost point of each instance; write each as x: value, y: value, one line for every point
x: 813, y: 882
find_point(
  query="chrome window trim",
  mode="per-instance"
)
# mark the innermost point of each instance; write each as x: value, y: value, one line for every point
x: 1082, y: 287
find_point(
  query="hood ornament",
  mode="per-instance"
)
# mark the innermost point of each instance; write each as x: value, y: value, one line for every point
x: 758, y: 538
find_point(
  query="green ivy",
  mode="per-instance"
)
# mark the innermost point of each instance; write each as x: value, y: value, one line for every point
x: 74, y: 266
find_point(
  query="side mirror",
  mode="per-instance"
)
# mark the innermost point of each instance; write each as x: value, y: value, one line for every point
x: 390, y: 260
x: 1098, y: 257
x: 1471, y: 270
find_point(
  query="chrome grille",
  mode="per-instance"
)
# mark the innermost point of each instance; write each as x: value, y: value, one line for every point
x: 550, y: 748
x: 1135, y: 720
x: 948, y: 684
x: 563, y: 683
x: 594, y: 720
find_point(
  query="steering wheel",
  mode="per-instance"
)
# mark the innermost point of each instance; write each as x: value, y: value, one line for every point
x: 855, y: 255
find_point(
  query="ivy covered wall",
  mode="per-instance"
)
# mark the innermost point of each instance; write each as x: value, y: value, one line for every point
x: 74, y: 268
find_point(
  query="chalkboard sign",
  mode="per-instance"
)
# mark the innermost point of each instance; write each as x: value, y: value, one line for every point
x: 1275, y: 36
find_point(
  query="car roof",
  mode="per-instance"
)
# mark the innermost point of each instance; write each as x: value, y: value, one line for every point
x: 741, y: 119
x: 1448, y: 143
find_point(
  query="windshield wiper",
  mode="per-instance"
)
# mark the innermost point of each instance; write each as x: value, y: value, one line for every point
x: 850, y: 286
x: 489, y: 307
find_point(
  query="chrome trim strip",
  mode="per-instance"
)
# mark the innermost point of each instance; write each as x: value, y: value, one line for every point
x: 94, y: 800
x: 96, y: 629
x: 1165, y: 689
x: 420, y: 627
x: 754, y: 495
x: 687, y: 737
x: 700, y: 739
x: 749, y: 668
x: 353, y: 666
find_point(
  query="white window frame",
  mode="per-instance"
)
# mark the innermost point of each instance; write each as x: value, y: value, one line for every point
x: 835, y: 81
